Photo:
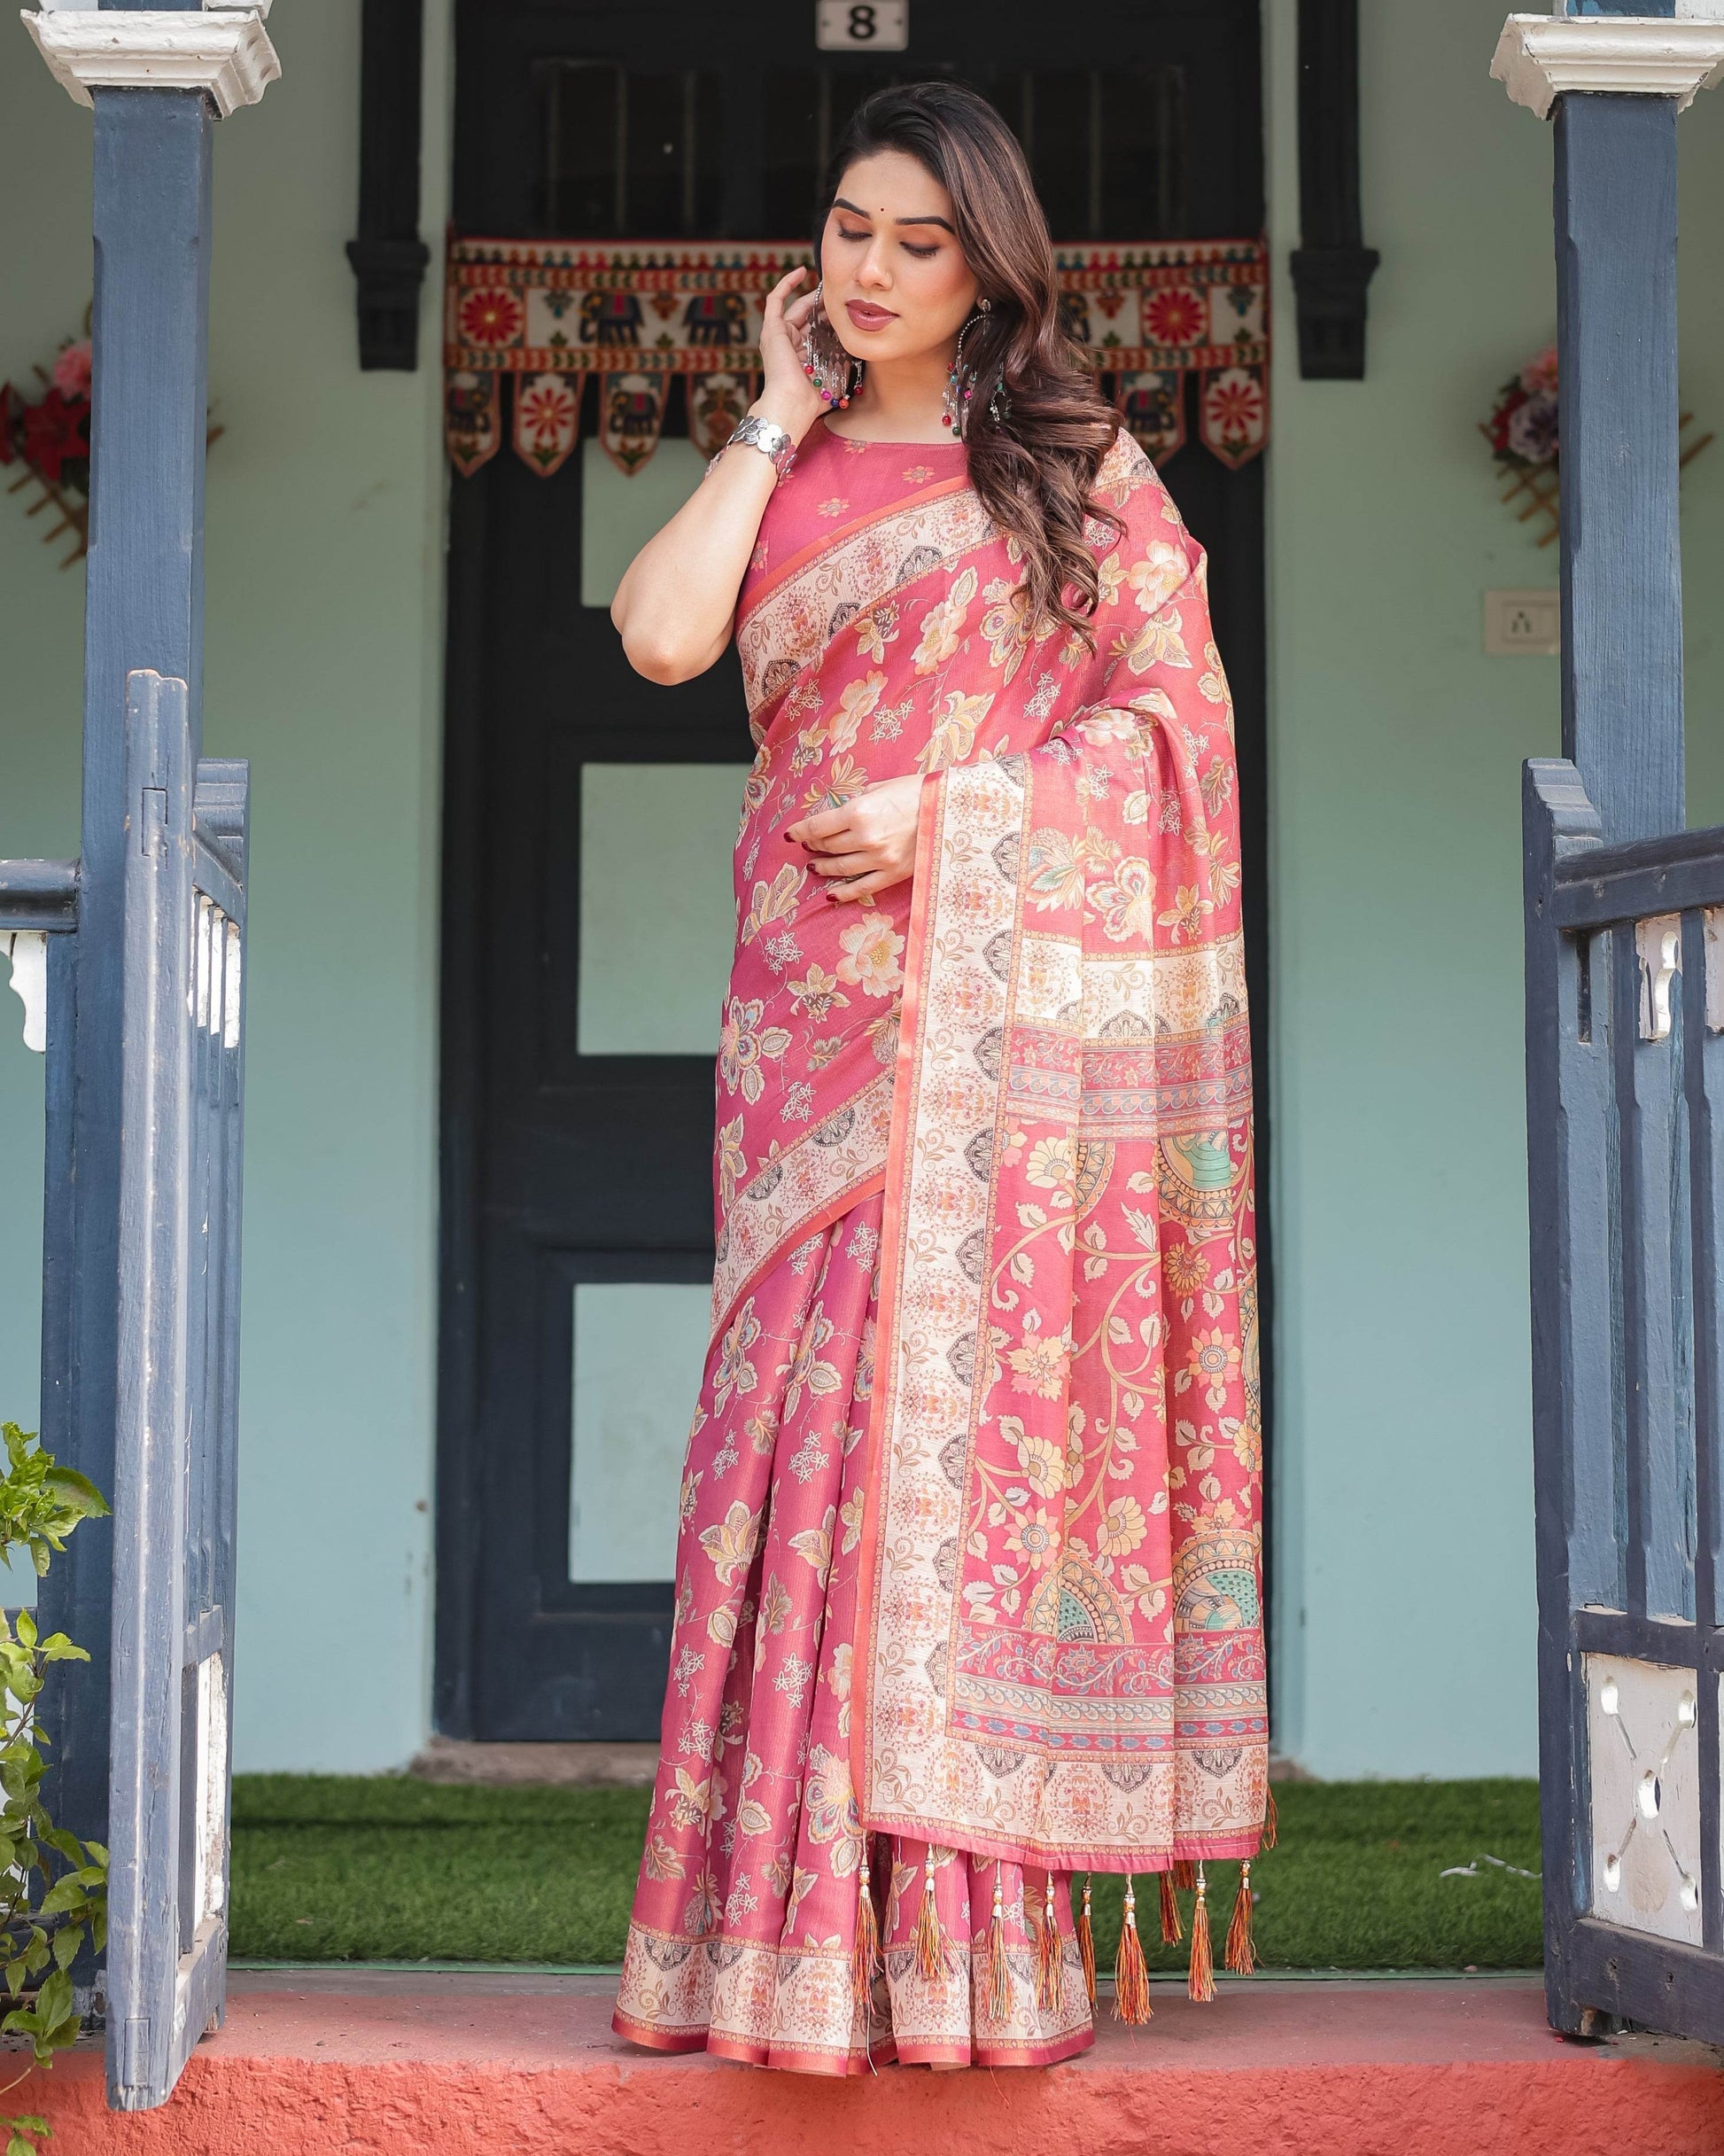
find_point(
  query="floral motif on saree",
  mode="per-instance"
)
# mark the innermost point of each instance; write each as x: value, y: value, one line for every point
x: 1023, y: 1082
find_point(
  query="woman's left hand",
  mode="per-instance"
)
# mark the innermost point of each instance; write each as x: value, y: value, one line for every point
x: 869, y: 844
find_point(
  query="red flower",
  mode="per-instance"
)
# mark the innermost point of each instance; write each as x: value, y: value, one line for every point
x: 491, y: 315
x: 1507, y: 404
x: 55, y: 433
x: 1175, y: 317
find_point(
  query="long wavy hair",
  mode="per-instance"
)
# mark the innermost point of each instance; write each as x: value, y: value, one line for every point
x: 1034, y: 467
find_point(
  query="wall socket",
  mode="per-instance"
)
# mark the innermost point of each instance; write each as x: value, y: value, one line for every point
x: 1518, y: 621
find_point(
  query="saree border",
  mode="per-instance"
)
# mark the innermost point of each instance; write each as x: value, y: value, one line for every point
x: 829, y: 540
x: 866, y: 540
x: 830, y: 1177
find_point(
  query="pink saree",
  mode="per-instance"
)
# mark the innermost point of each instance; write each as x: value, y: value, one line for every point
x: 967, y: 1575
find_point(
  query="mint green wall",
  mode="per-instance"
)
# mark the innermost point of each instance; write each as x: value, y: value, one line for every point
x: 1404, y: 1556
x: 324, y: 535
x: 1405, y: 1600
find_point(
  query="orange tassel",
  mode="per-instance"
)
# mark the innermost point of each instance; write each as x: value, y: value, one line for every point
x: 1271, y: 1825
x: 1184, y: 1875
x: 1000, y: 1970
x: 1172, y: 1930
x: 1050, y: 1968
x: 864, y: 1961
x: 1241, y: 1954
x: 1086, y: 1945
x: 930, y: 1941
x: 1132, y: 1970
x: 1201, y: 1985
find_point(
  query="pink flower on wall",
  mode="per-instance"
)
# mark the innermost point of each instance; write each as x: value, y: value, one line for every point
x: 71, y: 370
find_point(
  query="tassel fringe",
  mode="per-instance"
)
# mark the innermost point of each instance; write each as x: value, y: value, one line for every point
x: 1185, y: 1874
x: 1241, y: 1954
x: 1200, y: 1984
x: 1000, y: 1970
x: 1132, y: 1970
x: 1172, y: 1930
x: 1271, y: 1824
x: 1050, y: 1962
x: 1086, y: 1945
x: 931, y: 1955
x: 864, y: 1961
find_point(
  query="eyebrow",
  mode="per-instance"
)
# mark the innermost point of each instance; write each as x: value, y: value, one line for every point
x: 840, y: 204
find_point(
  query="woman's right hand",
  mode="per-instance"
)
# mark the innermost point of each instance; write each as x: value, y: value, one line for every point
x: 787, y: 397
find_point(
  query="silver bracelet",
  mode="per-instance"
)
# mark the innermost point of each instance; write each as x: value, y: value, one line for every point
x: 766, y: 436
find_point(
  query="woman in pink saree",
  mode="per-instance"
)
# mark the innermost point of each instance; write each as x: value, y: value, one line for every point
x: 967, y: 1600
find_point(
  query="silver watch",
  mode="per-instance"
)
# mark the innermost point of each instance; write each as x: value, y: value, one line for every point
x: 769, y: 438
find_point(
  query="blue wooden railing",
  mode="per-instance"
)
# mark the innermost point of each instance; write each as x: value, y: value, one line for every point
x: 145, y: 1727
x: 1625, y: 978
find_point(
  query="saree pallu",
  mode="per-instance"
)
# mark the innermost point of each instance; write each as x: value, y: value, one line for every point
x: 970, y: 1552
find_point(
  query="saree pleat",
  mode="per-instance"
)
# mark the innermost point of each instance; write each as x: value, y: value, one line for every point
x: 744, y: 1931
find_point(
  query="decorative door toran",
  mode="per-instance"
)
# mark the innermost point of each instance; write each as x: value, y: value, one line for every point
x: 548, y: 315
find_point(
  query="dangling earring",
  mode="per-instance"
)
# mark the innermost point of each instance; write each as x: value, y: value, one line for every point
x: 960, y: 380
x: 825, y: 362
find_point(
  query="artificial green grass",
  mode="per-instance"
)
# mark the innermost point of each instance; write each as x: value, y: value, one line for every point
x: 330, y: 1868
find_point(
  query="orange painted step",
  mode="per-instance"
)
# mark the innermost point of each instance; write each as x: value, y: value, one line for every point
x: 526, y: 2065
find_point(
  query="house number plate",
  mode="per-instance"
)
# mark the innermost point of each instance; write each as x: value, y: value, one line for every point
x: 851, y: 26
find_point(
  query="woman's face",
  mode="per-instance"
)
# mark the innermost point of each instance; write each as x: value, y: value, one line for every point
x: 897, y: 283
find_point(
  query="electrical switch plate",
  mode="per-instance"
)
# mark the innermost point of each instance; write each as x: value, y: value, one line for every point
x: 1522, y: 621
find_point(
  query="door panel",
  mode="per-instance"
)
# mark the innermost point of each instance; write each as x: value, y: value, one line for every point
x: 652, y: 964
x: 588, y: 818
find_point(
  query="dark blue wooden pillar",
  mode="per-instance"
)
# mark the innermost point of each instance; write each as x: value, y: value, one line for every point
x: 144, y: 609
x: 1621, y: 562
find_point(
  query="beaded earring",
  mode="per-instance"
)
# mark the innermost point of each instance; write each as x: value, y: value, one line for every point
x: 835, y: 374
x: 960, y: 380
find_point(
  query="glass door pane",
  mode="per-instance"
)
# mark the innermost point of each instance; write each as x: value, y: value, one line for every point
x: 639, y: 1350
x: 657, y: 911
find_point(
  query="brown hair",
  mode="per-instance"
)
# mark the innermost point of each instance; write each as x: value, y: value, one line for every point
x: 1035, y: 465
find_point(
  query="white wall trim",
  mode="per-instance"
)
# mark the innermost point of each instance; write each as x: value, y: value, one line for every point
x: 225, y: 52
x: 1539, y: 57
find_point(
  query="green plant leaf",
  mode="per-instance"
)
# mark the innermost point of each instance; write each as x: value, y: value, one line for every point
x: 75, y: 1492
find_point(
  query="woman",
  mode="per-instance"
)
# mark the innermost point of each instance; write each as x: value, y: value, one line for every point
x: 966, y: 1595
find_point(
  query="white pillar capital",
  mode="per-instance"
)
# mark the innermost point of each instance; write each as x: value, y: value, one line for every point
x: 224, y: 51
x: 1540, y: 57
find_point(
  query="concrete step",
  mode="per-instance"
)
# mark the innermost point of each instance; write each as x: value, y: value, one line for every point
x: 385, y: 2061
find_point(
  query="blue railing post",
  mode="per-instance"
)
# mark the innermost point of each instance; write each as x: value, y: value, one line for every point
x: 1621, y: 554
x: 153, y: 1406
x: 144, y: 608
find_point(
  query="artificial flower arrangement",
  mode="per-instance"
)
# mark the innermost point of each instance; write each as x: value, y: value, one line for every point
x: 1525, y: 438
x: 50, y: 437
